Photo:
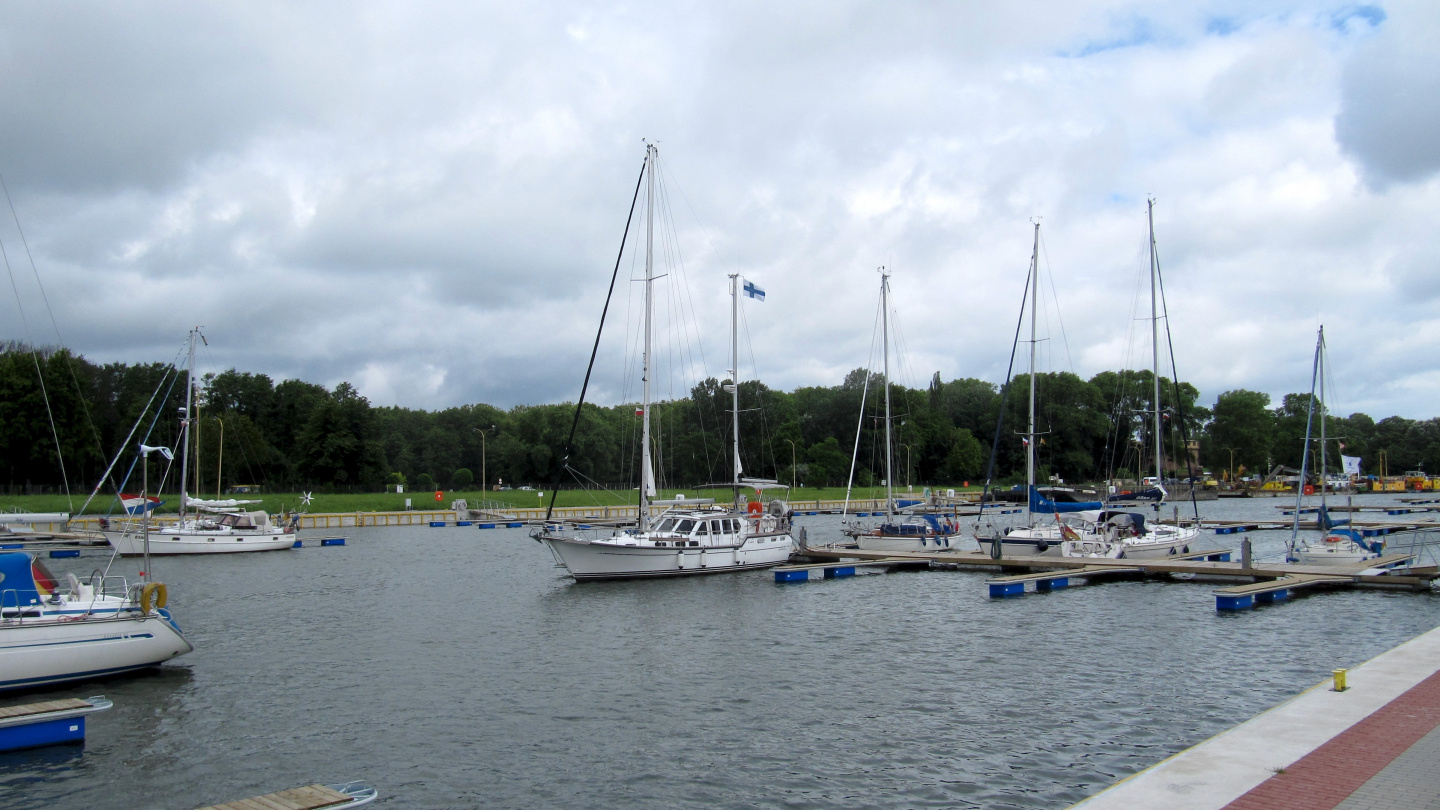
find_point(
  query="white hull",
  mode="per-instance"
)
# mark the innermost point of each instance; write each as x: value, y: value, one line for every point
x: 587, y: 559
x: 1342, y: 552
x: 881, y: 542
x: 1046, y: 541
x: 169, y: 542
x: 44, y: 652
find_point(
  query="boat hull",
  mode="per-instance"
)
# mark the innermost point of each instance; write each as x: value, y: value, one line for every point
x: 44, y: 653
x: 886, y: 542
x: 167, y: 544
x: 595, y: 560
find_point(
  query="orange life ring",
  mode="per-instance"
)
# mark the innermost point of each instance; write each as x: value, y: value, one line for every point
x: 755, y: 509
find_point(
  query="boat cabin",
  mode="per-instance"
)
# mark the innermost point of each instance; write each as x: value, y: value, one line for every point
x: 697, y: 530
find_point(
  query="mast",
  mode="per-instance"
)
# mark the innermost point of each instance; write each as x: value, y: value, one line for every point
x: 1030, y: 432
x: 185, y: 423
x: 735, y: 380
x: 1305, y: 451
x: 647, y: 475
x: 885, y: 331
x: 1155, y: 354
x: 1321, y: 367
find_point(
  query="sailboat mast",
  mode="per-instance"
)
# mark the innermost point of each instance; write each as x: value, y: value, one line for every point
x: 185, y: 423
x: 1030, y: 431
x: 735, y: 381
x: 885, y: 331
x: 1321, y: 367
x: 647, y: 475
x: 1155, y: 353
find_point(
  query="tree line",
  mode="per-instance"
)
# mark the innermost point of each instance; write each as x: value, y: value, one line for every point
x: 295, y: 435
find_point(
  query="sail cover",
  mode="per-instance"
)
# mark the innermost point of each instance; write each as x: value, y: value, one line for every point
x: 1040, y: 504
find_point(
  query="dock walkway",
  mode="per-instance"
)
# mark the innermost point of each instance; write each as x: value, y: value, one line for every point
x: 1377, y: 744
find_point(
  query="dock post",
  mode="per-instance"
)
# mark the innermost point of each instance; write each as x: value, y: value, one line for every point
x: 1245, y: 554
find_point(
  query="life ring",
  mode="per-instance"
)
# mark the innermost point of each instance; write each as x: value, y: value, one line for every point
x: 755, y: 509
x: 153, y: 596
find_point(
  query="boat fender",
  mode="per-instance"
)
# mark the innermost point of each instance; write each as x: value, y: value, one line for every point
x: 1042, y: 546
x: 1172, y: 551
x: 153, y: 595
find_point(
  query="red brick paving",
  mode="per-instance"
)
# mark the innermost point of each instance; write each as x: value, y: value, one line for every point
x: 1326, y: 776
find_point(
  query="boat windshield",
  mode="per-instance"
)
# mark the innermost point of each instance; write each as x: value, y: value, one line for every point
x: 684, y: 526
x: 666, y: 525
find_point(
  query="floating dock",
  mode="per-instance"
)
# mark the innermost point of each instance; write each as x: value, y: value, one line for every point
x: 1268, y: 582
x: 52, y: 722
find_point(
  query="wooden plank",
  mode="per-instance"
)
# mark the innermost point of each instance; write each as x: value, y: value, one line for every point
x: 1283, y: 584
x: 1088, y: 571
x: 310, y: 797
x: 44, y: 707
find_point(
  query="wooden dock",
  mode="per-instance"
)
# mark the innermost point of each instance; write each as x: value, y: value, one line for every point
x: 1266, y: 582
x: 312, y: 797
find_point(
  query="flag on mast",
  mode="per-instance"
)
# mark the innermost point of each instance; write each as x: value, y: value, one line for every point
x: 753, y: 291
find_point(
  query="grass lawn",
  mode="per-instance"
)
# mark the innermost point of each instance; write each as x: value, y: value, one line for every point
x: 391, y: 502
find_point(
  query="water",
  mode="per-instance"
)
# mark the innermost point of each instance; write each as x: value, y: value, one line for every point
x: 457, y: 668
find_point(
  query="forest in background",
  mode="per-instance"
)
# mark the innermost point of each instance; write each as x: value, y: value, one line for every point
x: 296, y: 435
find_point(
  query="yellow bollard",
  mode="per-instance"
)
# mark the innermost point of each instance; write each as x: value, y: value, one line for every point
x: 1339, y: 676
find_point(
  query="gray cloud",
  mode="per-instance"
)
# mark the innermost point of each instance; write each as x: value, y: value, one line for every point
x: 426, y: 199
x: 1390, y: 96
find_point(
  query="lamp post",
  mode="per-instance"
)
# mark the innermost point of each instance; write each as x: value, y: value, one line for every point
x: 907, y: 466
x: 481, y: 431
x: 1232, y: 465
x: 792, y: 467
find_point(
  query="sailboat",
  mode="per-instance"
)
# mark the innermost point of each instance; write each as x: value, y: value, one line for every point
x: 1337, y: 544
x: 216, y: 526
x: 689, y: 537
x: 52, y: 633
x: 1091, y: 530
x: 897, y: 533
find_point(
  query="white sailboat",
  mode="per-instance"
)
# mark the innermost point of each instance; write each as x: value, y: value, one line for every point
x: 690, y: 537
x: 215, y: 527
x: 895, y: 533
x: 59, y: 630
x: 1089, y: 530
x: 1338, y: 544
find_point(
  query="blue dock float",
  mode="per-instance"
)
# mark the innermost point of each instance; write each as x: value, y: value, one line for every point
x: 13, y: 545
x: 1234, y: 601
x: 1003, y: 589
x: 792, y: 576
x: 64, y: 552
x: 54, y: 722
x: 840, y: 571
x: 486, y: 525
x: 298, y: 544
x: 1048, y: 585
x: 464, y: 523
x: 516, y: 525
x: 333, y: 541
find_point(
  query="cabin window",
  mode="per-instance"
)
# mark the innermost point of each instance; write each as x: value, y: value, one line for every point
x: 703, y: 530
x: 734, y: 526
x: 718, y: 526
x: 685, y: 526
x: 666, y: 525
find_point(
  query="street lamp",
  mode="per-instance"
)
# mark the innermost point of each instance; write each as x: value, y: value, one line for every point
x: 1232, y: 464
x: 907, y: 466
x: 481, y: 431
x: 792, y: 467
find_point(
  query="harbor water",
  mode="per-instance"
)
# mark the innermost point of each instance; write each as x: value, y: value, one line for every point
x: 456, y: 668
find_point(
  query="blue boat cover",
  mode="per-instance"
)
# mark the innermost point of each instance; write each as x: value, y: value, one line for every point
x: 24, y: 578
x: 1040, y: 504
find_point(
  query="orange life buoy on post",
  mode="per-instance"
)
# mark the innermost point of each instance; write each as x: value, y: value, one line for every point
x: 755, y: 508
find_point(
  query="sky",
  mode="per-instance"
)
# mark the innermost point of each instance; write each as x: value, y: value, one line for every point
x: 427, y: 199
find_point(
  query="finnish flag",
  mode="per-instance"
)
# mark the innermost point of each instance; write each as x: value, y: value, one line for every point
x: 753, y: 291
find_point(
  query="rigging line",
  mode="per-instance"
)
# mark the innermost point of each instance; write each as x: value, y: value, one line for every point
x: 1055, y: 297
x: 1175, y: 383
x: 565, y: 458
x: 1005, y: 395
x: 864, y: 394
x: 79, y: 392
x: 40, y: 376
x: 126, y: 443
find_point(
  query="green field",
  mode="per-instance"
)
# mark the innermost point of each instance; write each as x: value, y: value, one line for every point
x: 391, y: 502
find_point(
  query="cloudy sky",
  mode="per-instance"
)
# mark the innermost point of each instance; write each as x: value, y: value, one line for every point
x: 426, y: 199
